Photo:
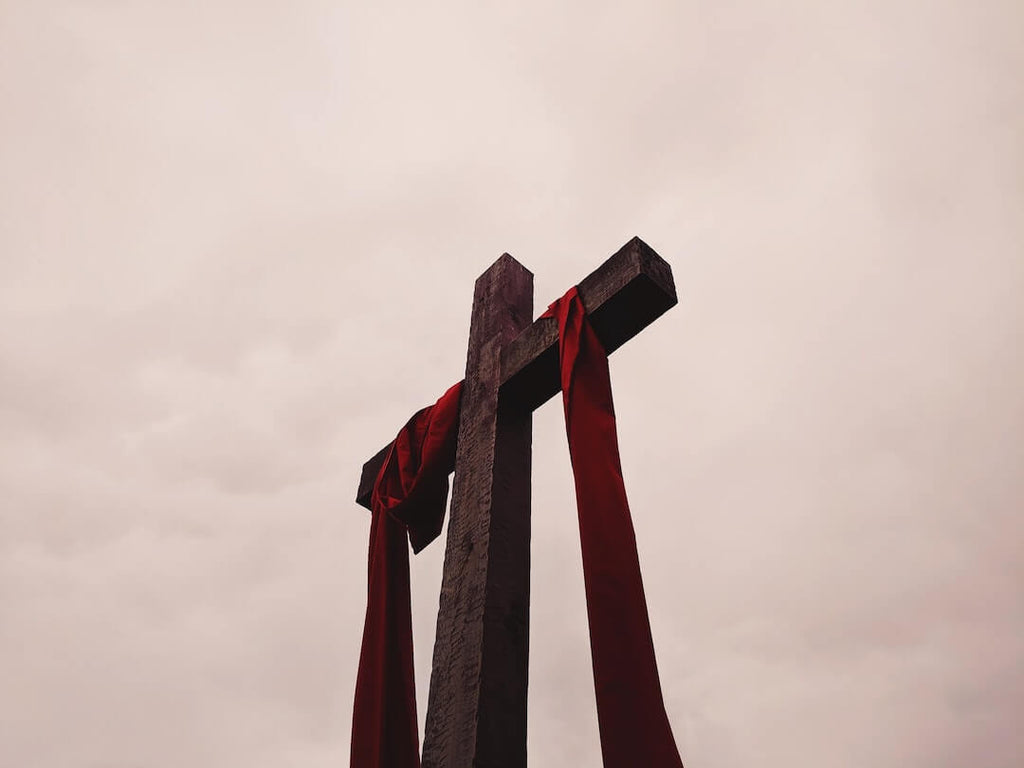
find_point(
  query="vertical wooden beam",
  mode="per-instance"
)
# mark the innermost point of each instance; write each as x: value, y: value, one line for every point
x: 477, y: 707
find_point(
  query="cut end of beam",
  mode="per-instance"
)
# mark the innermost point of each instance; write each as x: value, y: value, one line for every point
x: 507, y: 259
x: 369, y: 476
x: 632, y: 289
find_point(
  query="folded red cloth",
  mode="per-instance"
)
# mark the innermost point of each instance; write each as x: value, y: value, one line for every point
x: 631, y: 716
x: 408, y: 500
x: 409, y: 496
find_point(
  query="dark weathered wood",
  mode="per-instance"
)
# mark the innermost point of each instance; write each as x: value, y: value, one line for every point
x: 628, y: 292
x: 369, y: 476
x: 476, y: 714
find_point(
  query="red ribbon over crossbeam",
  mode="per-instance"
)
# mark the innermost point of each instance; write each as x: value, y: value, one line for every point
x: 630, y: 711
x: 408, y: 501
x: 409, y: 498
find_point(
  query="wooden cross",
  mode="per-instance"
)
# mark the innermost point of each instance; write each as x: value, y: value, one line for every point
x: 476, y: 711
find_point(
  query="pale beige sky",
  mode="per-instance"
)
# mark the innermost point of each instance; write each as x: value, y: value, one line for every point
x: 237, y: 249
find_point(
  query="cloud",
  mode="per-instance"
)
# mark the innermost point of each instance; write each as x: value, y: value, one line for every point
x: 238, y: 251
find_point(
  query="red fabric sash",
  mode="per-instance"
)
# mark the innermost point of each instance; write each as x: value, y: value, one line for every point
x: 410, y: 494
x: 408, y: 502
x: 631, y: 716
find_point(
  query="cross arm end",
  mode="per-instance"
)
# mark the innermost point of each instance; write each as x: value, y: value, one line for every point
x: 369, y: 476
x: 624, y: 295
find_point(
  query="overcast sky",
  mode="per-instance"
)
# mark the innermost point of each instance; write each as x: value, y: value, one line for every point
x: 238, y: 243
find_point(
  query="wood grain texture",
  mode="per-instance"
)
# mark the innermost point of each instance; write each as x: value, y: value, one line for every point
x: 476, y: 714
x: 628, y: 292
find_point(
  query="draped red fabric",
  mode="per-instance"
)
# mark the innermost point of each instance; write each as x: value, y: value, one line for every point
x: 408, y: 503
x: 634, y: 727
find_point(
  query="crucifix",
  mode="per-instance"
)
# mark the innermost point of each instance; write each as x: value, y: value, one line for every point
x: 476, y: 713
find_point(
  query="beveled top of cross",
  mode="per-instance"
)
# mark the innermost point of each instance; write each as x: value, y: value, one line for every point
x: 624, y: 295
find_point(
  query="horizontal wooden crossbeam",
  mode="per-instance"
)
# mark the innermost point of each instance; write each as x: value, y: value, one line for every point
x: 624, y: 295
